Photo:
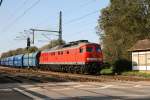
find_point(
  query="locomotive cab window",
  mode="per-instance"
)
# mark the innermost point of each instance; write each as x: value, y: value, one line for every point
x: 89, y: 49
x: 67, y: 52
x: 81, y: 50
x: 98, y: 49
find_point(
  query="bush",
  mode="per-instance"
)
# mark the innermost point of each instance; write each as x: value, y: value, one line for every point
x: 105, y: 65
x: 106, y: 71
x: 122, y: 65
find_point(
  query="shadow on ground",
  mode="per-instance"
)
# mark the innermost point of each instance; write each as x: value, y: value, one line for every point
x: 104, y: 98
x: 27, y: 78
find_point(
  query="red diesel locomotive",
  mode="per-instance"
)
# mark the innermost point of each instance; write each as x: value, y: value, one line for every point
x: 76, y: 57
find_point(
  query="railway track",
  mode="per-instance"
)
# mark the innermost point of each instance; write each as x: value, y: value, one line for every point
x: 29, y: 75
x: 12, y: 75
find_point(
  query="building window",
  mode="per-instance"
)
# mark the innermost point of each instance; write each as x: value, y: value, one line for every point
x: 142, y: 59
x: 148, y: 59
x: 135, y: 61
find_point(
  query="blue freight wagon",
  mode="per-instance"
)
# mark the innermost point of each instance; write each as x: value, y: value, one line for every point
x: 11, y: 61
x: 18, y: 61
x: 31, y: 59
x: 6, y: 61
x: 2, y: 62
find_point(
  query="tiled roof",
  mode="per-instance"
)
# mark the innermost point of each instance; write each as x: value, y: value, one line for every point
x: 141, y: 45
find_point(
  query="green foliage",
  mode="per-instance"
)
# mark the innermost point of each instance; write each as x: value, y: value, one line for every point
x: 19, y: 51
x: 122, y: 65
x: 121, y: 24
x: 106, y: 71
x: 32, y: 49
x: 136, y: 73
x: 106, y: 65
x: 51, y: 44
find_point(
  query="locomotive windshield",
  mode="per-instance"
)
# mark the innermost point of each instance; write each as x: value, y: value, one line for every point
x: 89, y: 49
x: 98, y: 49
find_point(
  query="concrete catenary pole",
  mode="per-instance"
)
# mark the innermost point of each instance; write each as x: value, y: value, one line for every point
x: 1, y: 2
x: 60, y: 28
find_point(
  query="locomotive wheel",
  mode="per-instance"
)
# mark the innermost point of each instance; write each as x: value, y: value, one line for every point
x: 92, y: 68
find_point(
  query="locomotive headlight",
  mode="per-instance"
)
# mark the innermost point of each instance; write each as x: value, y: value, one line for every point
x: 91, y: 59
x: 94, y: 59
x: 100, y: 59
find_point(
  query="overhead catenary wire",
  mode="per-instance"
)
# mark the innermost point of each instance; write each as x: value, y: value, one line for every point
x: 82, y: 17
x: 19, y: 17
x: 69, y: 10
x: 45, y: 36
x: 87, y: 3
x: 80, y: 32
x: 17, y: 10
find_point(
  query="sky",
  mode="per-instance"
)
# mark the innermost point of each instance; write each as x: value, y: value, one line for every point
x: 79, y: 18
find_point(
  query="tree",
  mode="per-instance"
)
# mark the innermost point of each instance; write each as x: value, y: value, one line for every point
x: 121, y: 24
x: 19, y: 51
x: 32, y: 49
x: 52, y: 44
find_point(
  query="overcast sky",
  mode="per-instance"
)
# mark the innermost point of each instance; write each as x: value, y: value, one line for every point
x: 79, y: 20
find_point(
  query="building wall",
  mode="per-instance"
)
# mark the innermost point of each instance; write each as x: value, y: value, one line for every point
x: 141, y: 60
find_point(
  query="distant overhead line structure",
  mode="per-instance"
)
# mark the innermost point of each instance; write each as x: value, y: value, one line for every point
x: 59, y: 31
x: 33, y: 30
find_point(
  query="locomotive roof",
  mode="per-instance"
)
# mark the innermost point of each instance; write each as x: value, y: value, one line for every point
x: 73, y: 44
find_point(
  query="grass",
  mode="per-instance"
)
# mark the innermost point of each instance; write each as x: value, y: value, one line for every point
x: 109, y: 71
x: 136, y: 73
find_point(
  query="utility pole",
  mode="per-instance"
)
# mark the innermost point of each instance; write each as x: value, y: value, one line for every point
x: 52, y: 31
x: 1, y: 2
x: 60, y: 28
x: 33, y: 37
